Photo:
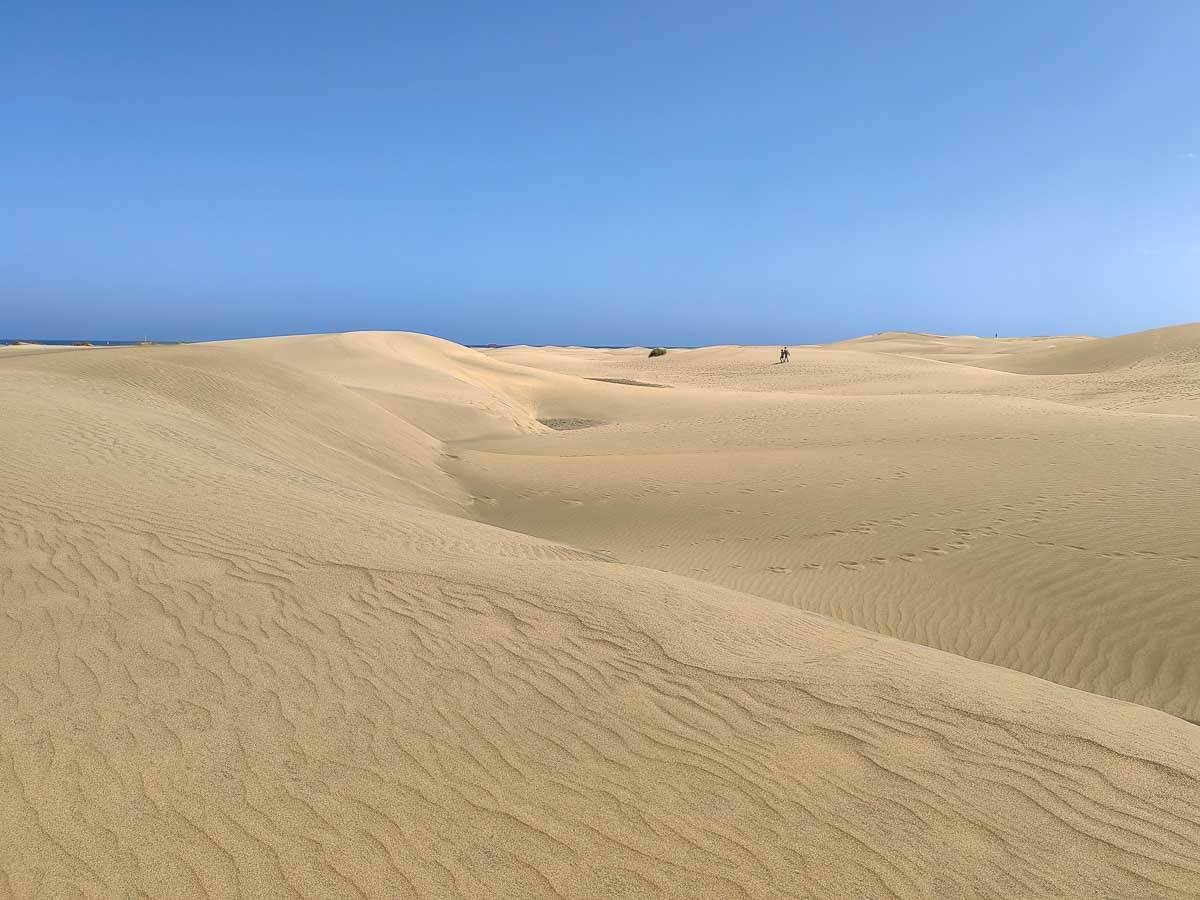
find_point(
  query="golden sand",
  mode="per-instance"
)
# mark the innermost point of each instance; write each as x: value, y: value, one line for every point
x: 340, y: 616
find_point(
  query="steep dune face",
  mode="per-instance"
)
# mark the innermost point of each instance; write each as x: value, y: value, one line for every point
x: 250, y: 646
x: 290, y: 426
x: 449, y: 391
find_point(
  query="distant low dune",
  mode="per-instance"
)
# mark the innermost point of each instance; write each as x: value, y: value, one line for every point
x: 1177, y: 346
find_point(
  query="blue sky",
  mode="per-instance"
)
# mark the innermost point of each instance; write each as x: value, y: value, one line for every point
x: 604, y: 173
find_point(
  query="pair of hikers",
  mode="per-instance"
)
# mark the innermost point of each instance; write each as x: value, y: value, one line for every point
x: 784, y: 355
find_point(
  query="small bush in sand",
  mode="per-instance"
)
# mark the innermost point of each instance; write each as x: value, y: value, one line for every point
x: 658, y: 351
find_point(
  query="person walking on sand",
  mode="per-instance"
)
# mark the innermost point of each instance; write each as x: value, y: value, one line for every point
x: 784, y: 355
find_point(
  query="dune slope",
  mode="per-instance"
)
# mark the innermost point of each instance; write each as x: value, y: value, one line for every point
x: 1177, y: 345
x: 1043, y: 523
x: 250, y: 645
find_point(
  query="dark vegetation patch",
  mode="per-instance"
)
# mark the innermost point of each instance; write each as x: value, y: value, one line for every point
x: 570, y: 423
x: 630, y: 381
x: 658, y: 351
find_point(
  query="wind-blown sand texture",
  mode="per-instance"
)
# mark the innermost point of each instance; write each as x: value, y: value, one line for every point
x: 260, y: 635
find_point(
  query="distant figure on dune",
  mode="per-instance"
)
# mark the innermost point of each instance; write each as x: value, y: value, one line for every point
x: 784, y: 355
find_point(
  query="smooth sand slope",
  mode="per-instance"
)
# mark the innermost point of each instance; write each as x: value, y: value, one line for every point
x: 255, y: 641
x: 1042, y: 522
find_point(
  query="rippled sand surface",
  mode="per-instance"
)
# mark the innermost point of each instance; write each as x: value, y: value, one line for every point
x: 340, y: 615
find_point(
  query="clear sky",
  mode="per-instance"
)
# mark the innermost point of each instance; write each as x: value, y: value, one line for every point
x: 600, y: 173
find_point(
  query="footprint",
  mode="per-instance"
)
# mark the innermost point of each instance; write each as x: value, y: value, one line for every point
x: 779, y: 570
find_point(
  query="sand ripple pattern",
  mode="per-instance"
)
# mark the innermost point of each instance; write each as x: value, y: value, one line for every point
x: 184, y: 720
x: 249, y: 647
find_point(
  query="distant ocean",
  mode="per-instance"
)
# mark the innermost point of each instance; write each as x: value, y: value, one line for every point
x: 68, y: 343
x: 65, y: 343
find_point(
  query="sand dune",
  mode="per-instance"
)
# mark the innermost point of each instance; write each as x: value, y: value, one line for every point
x: 259, y: 634
x: 1160, y: 347
x: 961, y: 348
x: 1037, y: 522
